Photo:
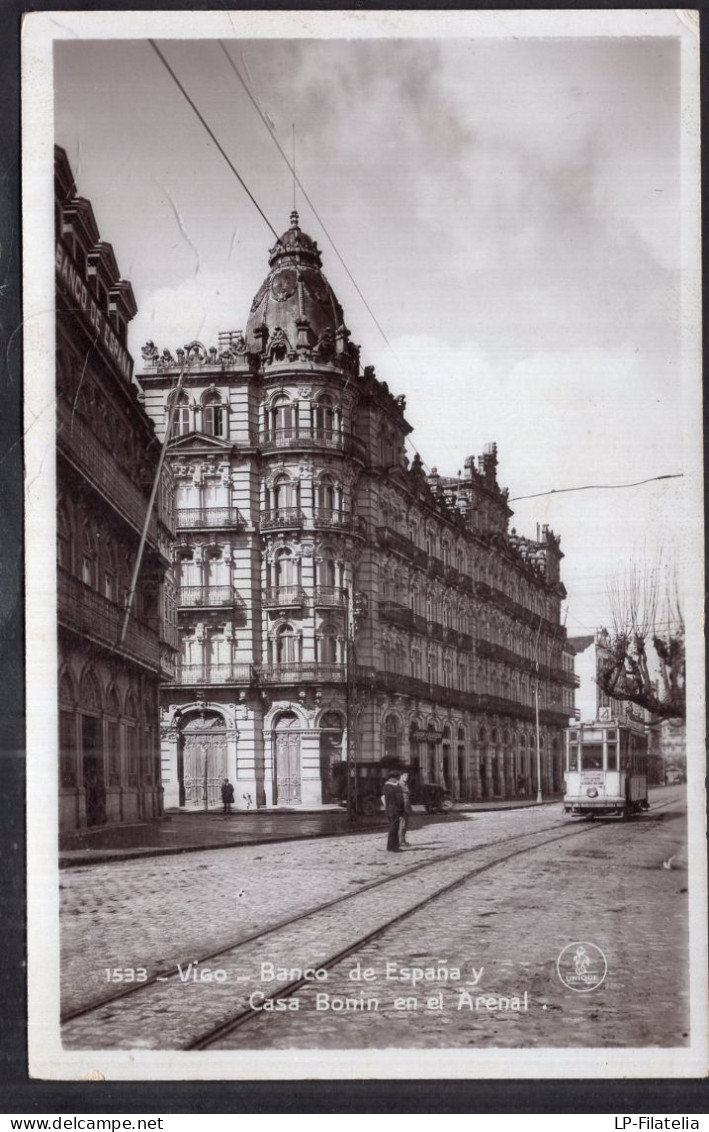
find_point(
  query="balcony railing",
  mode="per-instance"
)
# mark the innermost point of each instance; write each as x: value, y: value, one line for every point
x: 297, y: 671
x: 280, y: 597
x: 305, y: 437
x: 396, y: 614
x: 340, y: 520
x: 87, y: 612
x: 395, y: 541
x: 282, y: 517
x: 206, y: 596
x: 202, y: 517
x: 293, y: 517
x: 98, y: 465
x: 329, y: 595
x: 214, y: 674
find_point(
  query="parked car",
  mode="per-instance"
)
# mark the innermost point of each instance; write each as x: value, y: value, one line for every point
x: 368, y: 788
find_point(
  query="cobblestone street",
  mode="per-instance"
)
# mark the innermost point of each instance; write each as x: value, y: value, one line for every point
x: 503, y: 929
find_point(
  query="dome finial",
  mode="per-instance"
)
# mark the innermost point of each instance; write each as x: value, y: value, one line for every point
x: 294, y: 219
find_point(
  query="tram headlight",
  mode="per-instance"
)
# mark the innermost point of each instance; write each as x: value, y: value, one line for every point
x: 592, y: 792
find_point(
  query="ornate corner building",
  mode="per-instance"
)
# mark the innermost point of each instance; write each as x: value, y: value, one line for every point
x: 110, y: 665
x: 322, y: 579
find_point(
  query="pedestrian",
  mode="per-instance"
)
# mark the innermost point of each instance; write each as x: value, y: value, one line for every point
x: 404, y: 819
x: 227, y: 796
x: 394, y: 806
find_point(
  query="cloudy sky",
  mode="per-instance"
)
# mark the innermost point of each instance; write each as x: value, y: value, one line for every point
x: 509, y: 208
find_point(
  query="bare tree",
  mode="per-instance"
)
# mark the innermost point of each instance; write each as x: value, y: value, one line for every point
x: 645, y: 658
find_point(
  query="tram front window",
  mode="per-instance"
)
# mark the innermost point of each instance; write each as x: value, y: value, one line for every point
x: 612, y: 757
x: 592, y: 756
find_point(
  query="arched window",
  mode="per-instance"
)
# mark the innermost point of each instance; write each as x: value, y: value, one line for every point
x: 65, y: 556
x: 285, y: 568
x: 326, y: 571
x: 286, y: 645
x: 281, y: 415
x: 110, y: 585
x: 213, y: 415
x: 181, y: 424
x: 88, y: 557
x: 326, y: 644
x: 324, y: 417
x: 285, y: 493
x: 325, y: 495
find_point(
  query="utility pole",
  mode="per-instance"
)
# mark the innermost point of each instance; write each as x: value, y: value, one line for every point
x: 356, y: 605
x: 151, y: 503
x: 349, y: 645
x: 536, y: 713
x: 536, y: 726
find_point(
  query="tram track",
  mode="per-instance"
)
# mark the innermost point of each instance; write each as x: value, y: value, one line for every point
x: 161, y: 993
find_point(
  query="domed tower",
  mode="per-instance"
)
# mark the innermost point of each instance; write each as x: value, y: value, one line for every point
x: 310, y: 462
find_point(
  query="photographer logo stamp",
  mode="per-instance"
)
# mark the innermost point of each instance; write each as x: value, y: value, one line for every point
x: 582, y: 967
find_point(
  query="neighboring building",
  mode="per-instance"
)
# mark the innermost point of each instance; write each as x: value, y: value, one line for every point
x: 673, y: 750
x: 107, y: 455
x: 295, y: 505
x: 592, y: 703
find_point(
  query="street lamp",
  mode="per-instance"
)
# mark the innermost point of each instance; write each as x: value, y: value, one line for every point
x: 538, y: 743
x: 356, y: 605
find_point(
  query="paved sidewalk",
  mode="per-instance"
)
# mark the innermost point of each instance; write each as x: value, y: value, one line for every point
x: 193, y: 832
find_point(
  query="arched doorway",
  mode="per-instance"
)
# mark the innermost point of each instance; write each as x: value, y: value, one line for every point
x: 287, y: 760
x: 331, y: 732
x: 202, y: 760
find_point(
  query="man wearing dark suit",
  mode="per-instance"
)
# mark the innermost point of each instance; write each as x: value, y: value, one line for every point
x: 394, y: 806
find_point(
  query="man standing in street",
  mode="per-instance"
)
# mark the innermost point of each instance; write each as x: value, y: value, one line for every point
x: 227, y: 796
x: 394, y: 806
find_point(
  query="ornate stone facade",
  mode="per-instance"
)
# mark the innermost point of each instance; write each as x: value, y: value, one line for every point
x: 296, y: 505
x: 107, y: 454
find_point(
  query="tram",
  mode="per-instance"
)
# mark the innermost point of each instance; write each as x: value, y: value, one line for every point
x: 606, y: 769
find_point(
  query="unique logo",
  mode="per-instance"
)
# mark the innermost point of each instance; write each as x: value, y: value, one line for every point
x: 582, y: 967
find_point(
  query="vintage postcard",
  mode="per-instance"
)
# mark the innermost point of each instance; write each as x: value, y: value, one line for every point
x: 365, y: 545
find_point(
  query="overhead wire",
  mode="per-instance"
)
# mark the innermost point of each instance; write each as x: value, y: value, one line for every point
x: 213, y: 136
x: 597, y: 487
x: 299, y: 183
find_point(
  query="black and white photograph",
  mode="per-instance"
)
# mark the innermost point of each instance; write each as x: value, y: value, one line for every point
x: 364, y: 545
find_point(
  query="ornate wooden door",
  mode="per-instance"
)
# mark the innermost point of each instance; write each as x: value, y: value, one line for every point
x: 288, y: 768
x: 204, y: 769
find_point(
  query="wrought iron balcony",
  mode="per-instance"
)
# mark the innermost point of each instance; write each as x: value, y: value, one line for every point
x: 193, y: 518
x: 98, y: 465
x: 297, y: 671
x: 340, y: 520
x: 391, y: 539
x: 281, y: 517
x: 214, y: 674
x: 396, y: 614
x: 206, y: 597
x: 89, y: 613
x: 308, y: 437
x: 330, y: 595
x: 281, y: 597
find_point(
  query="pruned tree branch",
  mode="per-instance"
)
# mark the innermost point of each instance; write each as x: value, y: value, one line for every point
x: 644, y: 661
